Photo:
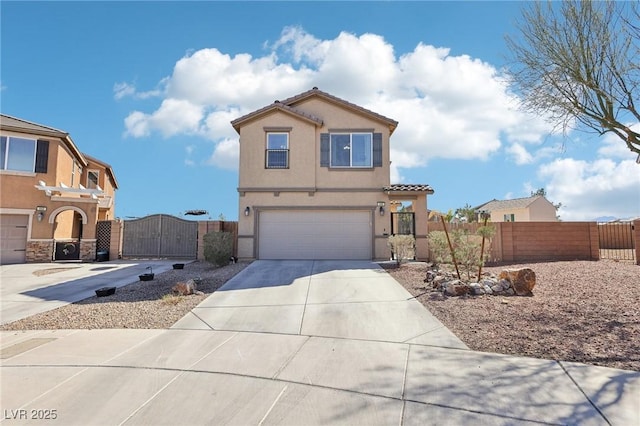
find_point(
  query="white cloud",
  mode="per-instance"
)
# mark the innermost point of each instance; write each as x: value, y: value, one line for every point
x: 454, y: 107
x: 614, y: 147
x: 121, y: 90
x: 189, y: 150
x: 124, y: 89
x: 588, y: 190
x: 520, y: 154
x: 174, y: 116
x: 225, y: 155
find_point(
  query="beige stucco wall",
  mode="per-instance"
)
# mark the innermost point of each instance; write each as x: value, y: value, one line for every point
x: 539, y: 210
x: 305, y: 184
x: 304, y: 152
x: 542, y: 210
x: 521, y: 215
x: 106, y: 184
x: 308, y: 185
x: 18, y: 192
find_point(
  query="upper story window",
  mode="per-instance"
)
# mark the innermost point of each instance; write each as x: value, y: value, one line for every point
x: 277, y: 153
x: 93, y: 177
x: 76, y: 169
x: 17, y: 154
x: 351, y: 150
x: 510, y: 217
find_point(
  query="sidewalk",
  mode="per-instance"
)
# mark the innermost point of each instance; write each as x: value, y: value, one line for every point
x: 326, y: 368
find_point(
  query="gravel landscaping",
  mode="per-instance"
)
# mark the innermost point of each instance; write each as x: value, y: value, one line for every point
x: 148, y: 304
x: 580, y: 311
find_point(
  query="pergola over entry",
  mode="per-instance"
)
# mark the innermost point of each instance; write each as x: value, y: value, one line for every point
x: 416, y: 194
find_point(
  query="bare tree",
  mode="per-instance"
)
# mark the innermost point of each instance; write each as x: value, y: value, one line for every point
x: 578, y: 62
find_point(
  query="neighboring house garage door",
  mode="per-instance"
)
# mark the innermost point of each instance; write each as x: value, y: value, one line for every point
x: 316, y: 234
x: 13, y: 238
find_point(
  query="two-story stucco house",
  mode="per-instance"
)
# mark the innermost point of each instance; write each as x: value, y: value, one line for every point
x: 314, y: 182
x: 51, y: 194
x: 528, y: 209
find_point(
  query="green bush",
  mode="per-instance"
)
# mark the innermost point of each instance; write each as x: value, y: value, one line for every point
x: 402, y: 246
x: 218, y: 247
x: 466, y: 247
x: 439, y: 248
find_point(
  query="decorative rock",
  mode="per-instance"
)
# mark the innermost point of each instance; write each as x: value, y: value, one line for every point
x: 522, y: 280
x: 477, y: 289
x: 487, y: 289
x: 456, y: 288
x: 185, y: 289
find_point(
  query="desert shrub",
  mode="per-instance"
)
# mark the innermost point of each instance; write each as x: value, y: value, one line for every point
x: 218, y: 247
x: 466, y: 247
x: 439, y: 248
x: 402, y: 246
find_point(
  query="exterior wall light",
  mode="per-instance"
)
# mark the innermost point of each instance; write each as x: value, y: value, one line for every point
x: 381, y: 207
x: 247, y: 211
x: 41, y: 210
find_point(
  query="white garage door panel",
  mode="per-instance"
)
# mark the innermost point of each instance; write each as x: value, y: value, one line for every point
x: 13, y: 238
x: 315, y: 235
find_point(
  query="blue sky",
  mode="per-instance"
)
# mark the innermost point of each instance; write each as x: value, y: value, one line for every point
x: 150, y: 88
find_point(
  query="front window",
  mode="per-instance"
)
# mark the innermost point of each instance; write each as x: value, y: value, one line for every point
x: 509, y: 217
x: 277, y: 151
x: 18, y: 154
x: 92, y: 179
x: 351, y: 150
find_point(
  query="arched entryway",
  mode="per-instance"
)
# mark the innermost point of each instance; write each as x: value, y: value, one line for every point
x: 68, y: 226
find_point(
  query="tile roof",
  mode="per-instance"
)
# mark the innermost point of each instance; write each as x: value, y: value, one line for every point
x: 107, y: 166
x: 19, y: 125
x: 279, y: 106
x: 409, y: 188
x: 8, y: 122
x: 288, y: 105
x: 516, y: 203
x: 317, y: 92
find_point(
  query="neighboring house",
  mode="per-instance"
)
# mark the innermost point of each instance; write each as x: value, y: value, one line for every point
x: 529, y: 209
x: 314, y: 182
x: 51, y: 194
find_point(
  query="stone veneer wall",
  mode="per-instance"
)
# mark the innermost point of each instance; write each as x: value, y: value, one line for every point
x: 39, y: 251
x: 88, y: 250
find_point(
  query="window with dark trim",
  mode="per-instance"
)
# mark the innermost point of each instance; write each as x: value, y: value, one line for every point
x: 355, y: 149
x: 351, y: 150
x: 18, y: 154
x: 93, y: 177
x: 277, y: 152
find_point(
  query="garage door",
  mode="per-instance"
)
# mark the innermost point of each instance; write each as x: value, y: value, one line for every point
x: 330, y: 234
x: 13, y: 238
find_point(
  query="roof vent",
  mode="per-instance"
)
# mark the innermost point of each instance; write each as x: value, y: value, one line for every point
x: 315, y: 88
x: 276, y: 101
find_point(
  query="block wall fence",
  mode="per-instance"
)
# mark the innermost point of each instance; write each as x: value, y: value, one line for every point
x: 544, y: 241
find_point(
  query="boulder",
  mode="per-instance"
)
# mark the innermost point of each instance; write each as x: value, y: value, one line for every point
x: 457, y: 288
x: 522, y: 280
x: 477, y: 289
x: 185, y: 289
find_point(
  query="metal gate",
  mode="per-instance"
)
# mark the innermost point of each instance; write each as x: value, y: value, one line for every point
x: 403, y: 223
x: 160, y: 236
x: 617, y: 241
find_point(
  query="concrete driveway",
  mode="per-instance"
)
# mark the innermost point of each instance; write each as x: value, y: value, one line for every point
x: 31, y: 288
x: 301, y: 343
x: 343, y: 299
